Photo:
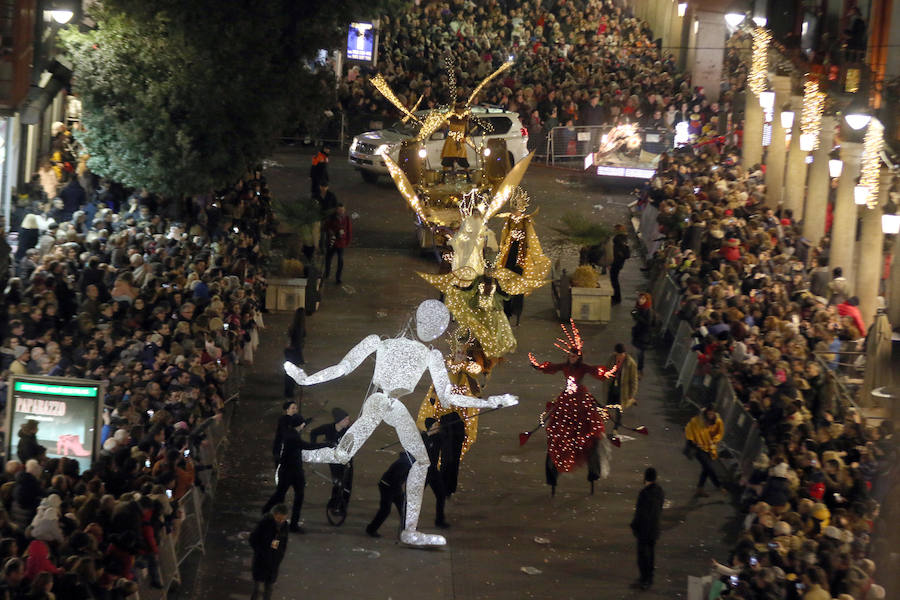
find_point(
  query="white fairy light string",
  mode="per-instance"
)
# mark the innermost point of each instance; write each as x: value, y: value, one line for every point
x: 399, y: 365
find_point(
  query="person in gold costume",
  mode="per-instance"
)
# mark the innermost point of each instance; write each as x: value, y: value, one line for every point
x: 454, y: 151
x: 520, y: 250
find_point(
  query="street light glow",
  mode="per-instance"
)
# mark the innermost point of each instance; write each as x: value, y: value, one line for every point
x: 787, y: 119
x: 835, y: 167
x: 682, y: 8
x: 61, y: 15
x: 857, y: 121
x: 734, y: 19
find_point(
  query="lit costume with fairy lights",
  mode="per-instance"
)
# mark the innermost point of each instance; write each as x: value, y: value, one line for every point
x: 475, y: 292
x: 520, y: 250
x: 574, y: 421
x: 399, y: 365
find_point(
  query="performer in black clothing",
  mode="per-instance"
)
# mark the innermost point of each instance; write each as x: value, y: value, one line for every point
x: 645, y: 526
x: 269, y: 542
x: 291, y: 410
x: 621, y: 252
x: 432, y: 438
x: 391, y: 489
x: 341, y: 475
x: 290, y: 466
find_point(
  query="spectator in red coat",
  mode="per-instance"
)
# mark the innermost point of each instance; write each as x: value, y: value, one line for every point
x: 850, y: 308
x: 339, y: 233
x: 38, y: 560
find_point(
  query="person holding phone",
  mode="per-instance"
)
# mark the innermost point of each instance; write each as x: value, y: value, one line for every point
x: 175, y: 464
x: 269, y: 542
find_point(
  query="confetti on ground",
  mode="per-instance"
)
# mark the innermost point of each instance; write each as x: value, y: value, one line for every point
x: 540, y: 540
x: 510, y: 459
x: 531, y: 571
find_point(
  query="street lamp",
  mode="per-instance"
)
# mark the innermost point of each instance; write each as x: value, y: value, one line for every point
x: 835, y: 167
x: 890, y: 224
x: 767, y: 101
x: 760, y: 21
x: 60, y: 11
x: 890, y: 220
x: 787, y: 119
x: 682, y: 8
x: 860, y: 194
x: 734, y: 19
x: 857, y: 115
x: 807, y: 142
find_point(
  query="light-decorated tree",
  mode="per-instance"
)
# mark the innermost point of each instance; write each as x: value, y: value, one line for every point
x: 182, y: 97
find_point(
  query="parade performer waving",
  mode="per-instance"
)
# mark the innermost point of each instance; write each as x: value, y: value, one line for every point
x: 574, y: 421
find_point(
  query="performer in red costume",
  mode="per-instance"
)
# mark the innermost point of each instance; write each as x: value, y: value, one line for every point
x: 574, y: 421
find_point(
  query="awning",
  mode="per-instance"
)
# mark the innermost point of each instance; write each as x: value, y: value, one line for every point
x: 39, y: 98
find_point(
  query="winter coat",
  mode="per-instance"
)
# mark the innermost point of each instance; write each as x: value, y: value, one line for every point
x: 777, y: 491
x: 28, y: 447
x: 641, y: 332
x: 39, y: 560
x: 647, y: 513
x: 626, y: 378
x: 26, y: 497
x: 269, y: 542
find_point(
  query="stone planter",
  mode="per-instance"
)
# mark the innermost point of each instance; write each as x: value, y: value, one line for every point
x: 286, y: 294
x: 592, y: 304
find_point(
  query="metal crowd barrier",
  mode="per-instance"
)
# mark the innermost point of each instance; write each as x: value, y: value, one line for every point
x: 742, y: 439
x: 189, y: 534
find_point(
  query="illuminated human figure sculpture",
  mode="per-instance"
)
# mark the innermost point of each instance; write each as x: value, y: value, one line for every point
x: 399, y: 365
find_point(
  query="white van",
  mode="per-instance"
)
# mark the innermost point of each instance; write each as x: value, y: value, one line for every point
x: 367, y: 148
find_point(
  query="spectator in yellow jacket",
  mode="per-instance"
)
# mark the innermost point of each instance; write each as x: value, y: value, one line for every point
x: 703, y: 434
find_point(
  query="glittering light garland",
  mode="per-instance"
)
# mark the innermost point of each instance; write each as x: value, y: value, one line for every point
x: 757, y: 80
x: 811, y: 113
x: 399, y: 365
x: 870, y: 164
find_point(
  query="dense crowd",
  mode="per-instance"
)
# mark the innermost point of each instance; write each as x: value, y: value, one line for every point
x: 158, y: 298
x: 577, y: 62
x: 763, y: 303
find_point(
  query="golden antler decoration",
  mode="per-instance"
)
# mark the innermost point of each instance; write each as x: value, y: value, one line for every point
x: 382, y: 86
x: 487, y: 79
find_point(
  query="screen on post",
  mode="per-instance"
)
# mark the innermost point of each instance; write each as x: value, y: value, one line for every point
x: 361, y: 42
x: 61, y: 416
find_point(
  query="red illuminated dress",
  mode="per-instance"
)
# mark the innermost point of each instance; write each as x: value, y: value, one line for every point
x: 574, y: 421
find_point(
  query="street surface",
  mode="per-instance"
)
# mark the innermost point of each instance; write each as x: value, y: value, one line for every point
x: 504, y: 523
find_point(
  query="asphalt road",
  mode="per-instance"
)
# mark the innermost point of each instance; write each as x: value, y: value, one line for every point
x: 503, y: 517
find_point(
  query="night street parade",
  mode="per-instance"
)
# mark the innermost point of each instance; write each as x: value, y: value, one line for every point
x: 456, y: 299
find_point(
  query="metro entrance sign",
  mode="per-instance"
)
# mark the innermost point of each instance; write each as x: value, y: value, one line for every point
x: 66, y: 412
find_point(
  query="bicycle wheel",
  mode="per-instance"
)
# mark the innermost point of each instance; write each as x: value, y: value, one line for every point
x: 336, y: 512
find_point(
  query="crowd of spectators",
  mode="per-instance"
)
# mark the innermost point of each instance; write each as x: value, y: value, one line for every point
x: 159, y: 299
x: 762, y: 303
x: 577, y: 62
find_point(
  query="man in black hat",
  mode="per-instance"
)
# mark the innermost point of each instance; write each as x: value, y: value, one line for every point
x: 341, y: 475
x: 645, y: 526
x: 289, y: 472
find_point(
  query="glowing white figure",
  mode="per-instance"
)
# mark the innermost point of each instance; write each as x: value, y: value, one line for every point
x: 399, y: 365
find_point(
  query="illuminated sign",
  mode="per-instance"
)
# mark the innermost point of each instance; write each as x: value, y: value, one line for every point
x: 361, y: 42
x: 610, y: 171
x: 62, y: 412
x: 55, y: 390
x: 634, y: 173
x: 640, y: 173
